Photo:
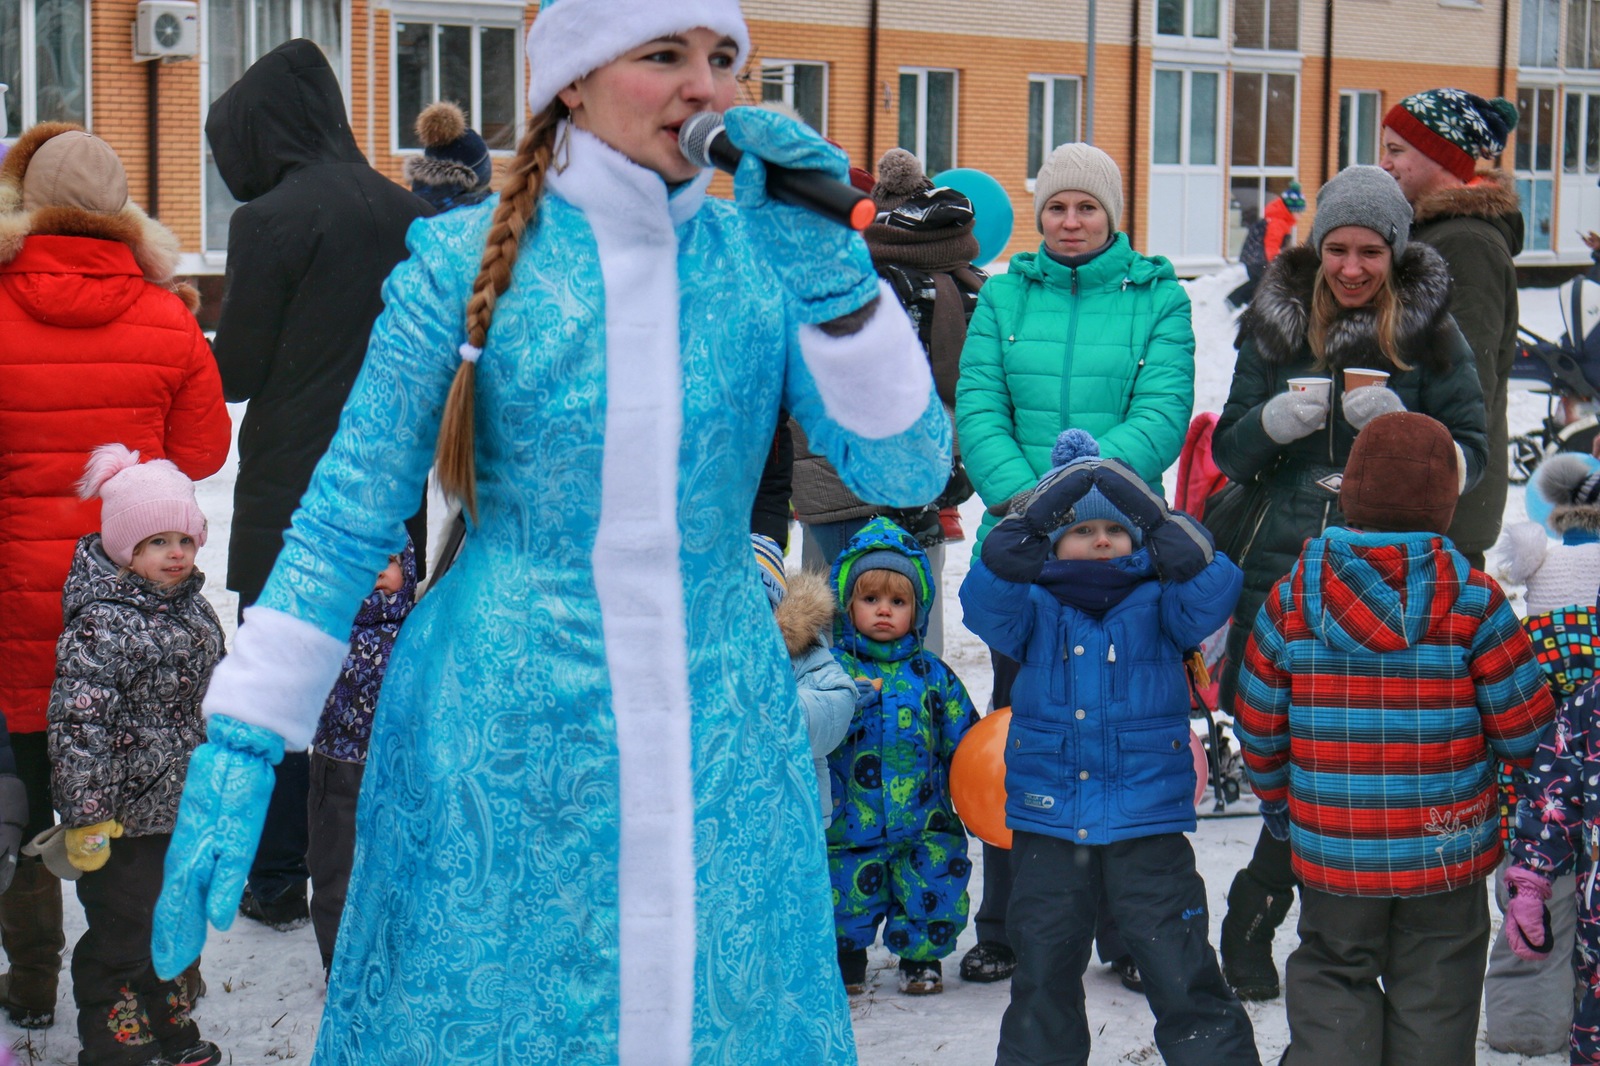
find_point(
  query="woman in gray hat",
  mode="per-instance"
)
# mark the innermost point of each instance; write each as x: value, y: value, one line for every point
x: 1358, y: 298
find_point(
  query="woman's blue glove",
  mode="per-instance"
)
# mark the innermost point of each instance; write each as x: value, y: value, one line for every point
x: 824, y: 265
x: 219, y: 825
x: 1179, y: 546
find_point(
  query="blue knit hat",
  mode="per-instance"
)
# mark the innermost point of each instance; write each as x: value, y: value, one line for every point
x: 1074, y: 446
x: 769, y: 561
x: 446, y: 138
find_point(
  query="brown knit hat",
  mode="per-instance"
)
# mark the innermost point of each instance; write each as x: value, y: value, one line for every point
x: 75, y: 169
x: 1401, y: 476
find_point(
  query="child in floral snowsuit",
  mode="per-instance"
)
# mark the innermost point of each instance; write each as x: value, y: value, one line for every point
x: 339, y: 749
x: 897, y: 853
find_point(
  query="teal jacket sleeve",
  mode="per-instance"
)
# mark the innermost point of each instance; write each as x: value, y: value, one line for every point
x: 994, y: 462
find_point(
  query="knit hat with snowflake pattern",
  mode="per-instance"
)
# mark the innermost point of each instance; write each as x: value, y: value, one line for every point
x: 1453, y: 127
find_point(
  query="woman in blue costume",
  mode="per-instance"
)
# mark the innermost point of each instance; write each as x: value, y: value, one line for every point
x: 587, y: 832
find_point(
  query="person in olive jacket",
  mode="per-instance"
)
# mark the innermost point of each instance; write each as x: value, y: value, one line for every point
x: 1359, y: 295
x: 1084, y: 334
x: 308, y: 252
x: 1431, y: 144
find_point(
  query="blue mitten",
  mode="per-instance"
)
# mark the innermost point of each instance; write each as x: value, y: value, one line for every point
x: 1276, y: 815
x: 1179, y: 546
x: 219, y: 824
x: 1017, y: 549
x: 824, y: 265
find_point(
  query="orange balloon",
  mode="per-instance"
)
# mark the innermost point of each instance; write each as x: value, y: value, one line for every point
x: 978, y: 778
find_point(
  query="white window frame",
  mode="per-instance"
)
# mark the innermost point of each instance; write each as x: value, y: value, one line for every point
x: 1560, y: 42
x: 1188, y: 37
x: 1192, y: 245
x: 1531, y: 174
x: 1260, y: 172
x: 921, y: 148
x: 1256, y: 54
x: 475, y: 17
x: 1354, y: 97
x: 781, y: 72
x: 29, y: 89
x: 1047, y: 117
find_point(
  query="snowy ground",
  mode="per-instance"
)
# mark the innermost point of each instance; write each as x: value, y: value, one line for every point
x: 266, y: 987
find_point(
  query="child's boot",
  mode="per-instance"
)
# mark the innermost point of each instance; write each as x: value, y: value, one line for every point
x: 921, y: 978
x: 205, y: 1053
x: 988, y: 961
x: 1254, y: 914
x: 853, y: 969
x: 30, y: 928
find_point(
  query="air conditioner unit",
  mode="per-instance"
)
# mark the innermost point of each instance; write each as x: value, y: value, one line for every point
x: 166, y: 29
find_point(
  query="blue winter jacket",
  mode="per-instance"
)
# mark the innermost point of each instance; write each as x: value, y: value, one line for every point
x: 1099, y: 744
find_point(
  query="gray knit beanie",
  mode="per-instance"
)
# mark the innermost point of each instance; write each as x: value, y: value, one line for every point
x: 1367, y: 197
x: 1081, y: 168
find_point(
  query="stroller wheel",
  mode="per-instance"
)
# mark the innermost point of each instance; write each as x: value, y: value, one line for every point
x: 1526, y: 455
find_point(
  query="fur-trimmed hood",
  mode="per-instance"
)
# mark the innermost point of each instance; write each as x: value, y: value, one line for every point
x: 1280, y: 312
x: 1492, y: 197
x: 805, y: 614
x: 154, y: 246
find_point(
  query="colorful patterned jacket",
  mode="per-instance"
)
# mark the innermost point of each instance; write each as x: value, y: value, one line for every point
x: 346, y: 723
x: 891, y: 775
x: 1381, y: 674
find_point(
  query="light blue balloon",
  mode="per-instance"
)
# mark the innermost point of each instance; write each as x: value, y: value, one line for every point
x: 992, y: 214
x: 1538, y: 507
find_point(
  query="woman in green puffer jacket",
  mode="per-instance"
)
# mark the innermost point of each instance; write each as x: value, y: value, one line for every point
x: 1084, y: 334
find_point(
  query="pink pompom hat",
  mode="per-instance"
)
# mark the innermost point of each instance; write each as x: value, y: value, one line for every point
x: 139, y: 500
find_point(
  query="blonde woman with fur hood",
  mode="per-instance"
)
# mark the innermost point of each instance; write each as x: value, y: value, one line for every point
x: 98, y: 343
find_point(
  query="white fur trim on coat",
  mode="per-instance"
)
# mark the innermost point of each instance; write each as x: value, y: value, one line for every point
x: 638, y: 579
x: 278, y: 675
x: 874, y: 382
x: 573, y: 37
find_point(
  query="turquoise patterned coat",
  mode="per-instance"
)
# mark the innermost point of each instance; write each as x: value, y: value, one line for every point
x: 588, y: 829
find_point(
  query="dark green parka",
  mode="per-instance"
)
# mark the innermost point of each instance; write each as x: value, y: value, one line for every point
x: 1303, y: 476
x: 1477, y: 228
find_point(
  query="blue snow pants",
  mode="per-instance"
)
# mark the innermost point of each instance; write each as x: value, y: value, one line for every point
x: 917, y: 887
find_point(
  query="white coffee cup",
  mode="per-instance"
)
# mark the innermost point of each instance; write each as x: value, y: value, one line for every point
x: 1321, y: 387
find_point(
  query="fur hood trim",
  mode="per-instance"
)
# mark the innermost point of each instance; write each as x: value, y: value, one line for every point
x: 1574, y: 516
x: 1278, y: 316
x: 419, y: 169
x: 1488, y: 197
x: 155, y: 247
x: 806, y: 612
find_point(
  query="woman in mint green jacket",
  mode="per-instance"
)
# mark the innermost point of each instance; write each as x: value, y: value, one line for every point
x: 1085, y: 333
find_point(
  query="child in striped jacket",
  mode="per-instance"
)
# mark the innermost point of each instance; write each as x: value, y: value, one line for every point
x: 1381, y: 674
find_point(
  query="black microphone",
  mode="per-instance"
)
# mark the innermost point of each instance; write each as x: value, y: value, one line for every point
x: 704, y: 141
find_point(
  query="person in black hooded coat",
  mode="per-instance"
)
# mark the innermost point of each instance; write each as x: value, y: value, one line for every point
x: 308, y: 251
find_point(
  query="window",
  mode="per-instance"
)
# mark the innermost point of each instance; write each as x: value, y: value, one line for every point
x: 471, y: 64
x: 49, y: 81
x: 1267, y: 24
x: 1262, y: 160
x: 1186, y: 180
x: 928, y: 117
x: 1358, y: 128
x: 1583, y: 34
x: 239, y: 32
x: 1052, y: 117
x: 1188, y: 18
x: 1535, y: 164
x: 803, y: 86
x: 1541, y: 41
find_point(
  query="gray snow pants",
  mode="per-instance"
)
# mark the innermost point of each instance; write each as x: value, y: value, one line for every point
x: 1527, y: 1004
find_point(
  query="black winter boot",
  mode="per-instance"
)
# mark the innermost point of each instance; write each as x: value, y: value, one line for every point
x: 853, y: 970
x: 1254, y: 914
x: 30, y: 929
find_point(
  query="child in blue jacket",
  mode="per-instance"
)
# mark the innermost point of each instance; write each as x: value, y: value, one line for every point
x: 897, y: 853
x: 1096, y: 589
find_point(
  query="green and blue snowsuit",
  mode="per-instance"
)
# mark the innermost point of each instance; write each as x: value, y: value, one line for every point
x: 897, y: 853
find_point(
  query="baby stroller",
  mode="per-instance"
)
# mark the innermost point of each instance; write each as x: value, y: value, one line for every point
x: 1569, y: 373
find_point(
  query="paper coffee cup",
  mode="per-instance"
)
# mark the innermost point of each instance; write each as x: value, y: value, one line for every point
x: 1323, y: 387
x: 1357, y: 376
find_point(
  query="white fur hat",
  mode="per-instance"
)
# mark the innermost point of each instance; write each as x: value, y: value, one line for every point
x: 573, y: 37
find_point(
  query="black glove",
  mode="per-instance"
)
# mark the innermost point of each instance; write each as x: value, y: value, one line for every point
x: 13, y: 817
x: 1179, y: 545
x: 1017, y: 549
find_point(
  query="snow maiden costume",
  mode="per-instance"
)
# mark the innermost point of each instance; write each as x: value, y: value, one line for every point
x: 588, y: 830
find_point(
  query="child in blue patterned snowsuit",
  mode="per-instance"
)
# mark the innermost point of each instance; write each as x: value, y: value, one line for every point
x: 339, y: 750
x: 897, y: 853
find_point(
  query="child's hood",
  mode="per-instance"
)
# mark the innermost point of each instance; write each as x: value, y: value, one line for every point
x: 391, y: 608
x: 94, y: 578
x: 1377, y: 592
x: 879, y: 535
x: 805, y: 613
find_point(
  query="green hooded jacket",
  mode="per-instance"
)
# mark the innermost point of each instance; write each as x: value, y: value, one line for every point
x: 1106, y: 347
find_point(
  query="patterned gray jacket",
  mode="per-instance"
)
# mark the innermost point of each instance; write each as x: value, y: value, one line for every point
x: 132, y: 664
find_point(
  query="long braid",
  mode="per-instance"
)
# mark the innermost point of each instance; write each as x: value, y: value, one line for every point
x: 517, y: 211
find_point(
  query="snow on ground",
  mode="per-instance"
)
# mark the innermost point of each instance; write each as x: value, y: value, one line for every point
x: 265, y: 987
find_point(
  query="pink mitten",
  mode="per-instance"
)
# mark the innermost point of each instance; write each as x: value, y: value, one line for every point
x: 1527, y: 918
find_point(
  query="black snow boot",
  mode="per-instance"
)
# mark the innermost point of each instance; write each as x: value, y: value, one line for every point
x: 853, y: 970
x: 1254, y: 914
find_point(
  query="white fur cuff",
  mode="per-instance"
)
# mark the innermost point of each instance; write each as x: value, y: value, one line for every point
x: 875, y: 382
x: 278, y: 675
x: 1461, y: 469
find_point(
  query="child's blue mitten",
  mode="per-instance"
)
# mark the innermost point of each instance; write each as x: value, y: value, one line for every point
x: 824, y: 265
x: 220, y: 816
x: 1017, y: 549
x: 1179, y: 546
x: 1276, y: 815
